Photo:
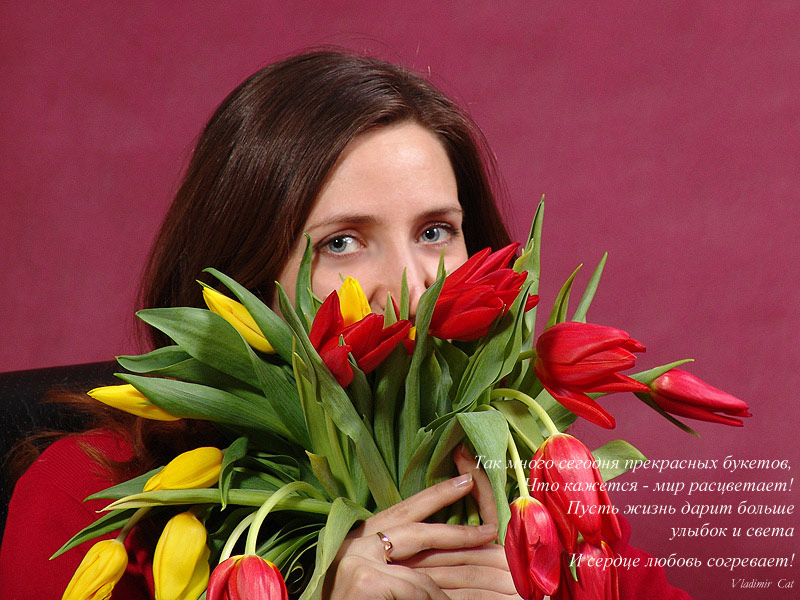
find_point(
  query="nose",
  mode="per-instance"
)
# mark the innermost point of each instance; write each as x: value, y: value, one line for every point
x: 419, y: 276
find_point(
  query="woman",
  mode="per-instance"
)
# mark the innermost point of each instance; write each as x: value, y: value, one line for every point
x: 385, y: 174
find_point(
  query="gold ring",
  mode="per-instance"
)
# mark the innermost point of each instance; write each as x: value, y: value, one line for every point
x: 387, y: 546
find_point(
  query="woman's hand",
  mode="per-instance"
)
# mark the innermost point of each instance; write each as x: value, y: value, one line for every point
x: 426, y: 558
x: 480, y: 572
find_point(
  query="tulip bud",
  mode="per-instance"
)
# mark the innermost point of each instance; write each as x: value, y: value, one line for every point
x: 98, y: 573
x: 248, y: 577
x: 353, y: 301
x: 236, y: 314
x: 130, y: 400
x: 682, y: 394
x: 180, y: 564
x: 597, y: 575
x: 198, y: 468
x: 574, y: 359
x: 532, y: 549
x: 477, y: 293
x: 564, y: 477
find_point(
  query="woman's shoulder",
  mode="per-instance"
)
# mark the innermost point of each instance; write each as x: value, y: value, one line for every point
x: 70, y: 464
x: 47, y: 508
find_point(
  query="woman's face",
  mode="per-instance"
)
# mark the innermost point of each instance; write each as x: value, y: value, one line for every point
x: 390, y: 204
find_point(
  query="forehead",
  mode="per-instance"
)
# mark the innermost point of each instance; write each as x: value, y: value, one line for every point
x: 389, y: 171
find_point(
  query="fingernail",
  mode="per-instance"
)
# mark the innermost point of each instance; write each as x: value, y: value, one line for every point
x: 488, y: 528
x: 462, y: 480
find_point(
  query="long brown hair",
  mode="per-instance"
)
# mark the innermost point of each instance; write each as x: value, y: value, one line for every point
x: 252, y: 181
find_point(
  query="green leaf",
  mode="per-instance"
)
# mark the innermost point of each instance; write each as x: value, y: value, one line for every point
x: 360, y: 392
x: 456, y: 359
x: 524, y: 424
x: 160, y: 358
x: 343, y: 515
x: 388, y: 381
x: 412, y: 477
x: 271, y: 325
x: 283, y: 398
x: 105, y: 524
x: 647, y: 377
x: 441, y: 465
x: 235, y: 452
x: 410, y: 420
x: 126, y: 488
x: 488, y: 432
x: 589, y: 292
x: 206, y: 336
x: 530, y: 261
x: 322, y: 471
x: 437, y: 383
x: 616, y: 457
x: 404, y: 299
x: 303, y: 296
x: 560, y: 306
x: 193, y: 401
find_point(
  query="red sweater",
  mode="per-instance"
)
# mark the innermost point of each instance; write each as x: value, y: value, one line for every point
x: 47, y: 509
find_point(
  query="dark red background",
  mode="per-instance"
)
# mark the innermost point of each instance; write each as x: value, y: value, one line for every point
x: 666, y: 133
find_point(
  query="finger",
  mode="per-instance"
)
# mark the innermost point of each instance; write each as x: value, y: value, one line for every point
x: 358, y: 577
x: 419, y: 506
x: 471, y: 577
x: 482, y: 488
x: 467, y: 594
x: 488, y: 555
x: 412, y: 538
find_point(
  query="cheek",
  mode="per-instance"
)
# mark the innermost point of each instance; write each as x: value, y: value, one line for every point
x: 325, y: 280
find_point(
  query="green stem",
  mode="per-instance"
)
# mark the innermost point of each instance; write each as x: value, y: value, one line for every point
x: 530, y: 403
x: 261, y: 513
x: 227, y: 549
x: 135, y: 518
x: 522, y: 481
x: 525, y: 354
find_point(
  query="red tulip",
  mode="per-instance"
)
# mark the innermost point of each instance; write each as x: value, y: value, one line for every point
x: 368, y: 340
x: 574, y: 359
x: 565, y: 478
x: 247, y: 577
x: 324, y: 336
x: 597, y: 576
x: 681, y: 393
x: 475, y: 294
x: 371, y: 342
x: 532, y: 549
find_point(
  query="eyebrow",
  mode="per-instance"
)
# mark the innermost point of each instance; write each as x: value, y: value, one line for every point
x: 363, y: 219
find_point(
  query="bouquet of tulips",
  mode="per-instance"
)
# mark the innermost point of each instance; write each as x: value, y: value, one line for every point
x: 333, y: 412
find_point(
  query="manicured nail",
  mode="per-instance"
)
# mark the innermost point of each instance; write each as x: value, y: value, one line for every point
x: 488, y: 528
x: 462, y: 480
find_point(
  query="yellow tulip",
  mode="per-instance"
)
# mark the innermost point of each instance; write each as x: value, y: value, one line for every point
x: 236, y: 314
x: 180, y: 564
x: 130, y: 400
x: 99, y: 572
x: 353, y: 301
x: 198, y: 468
